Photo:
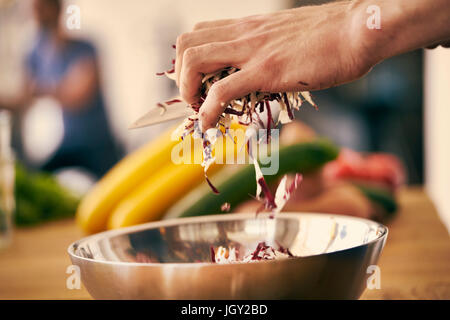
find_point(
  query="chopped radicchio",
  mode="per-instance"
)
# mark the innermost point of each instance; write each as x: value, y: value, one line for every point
x: 213, y: 188
x: 246, y: 110
x: 284, y: 192
x: 262, y: 252
x: 225, y: 207
x: 213, y: 254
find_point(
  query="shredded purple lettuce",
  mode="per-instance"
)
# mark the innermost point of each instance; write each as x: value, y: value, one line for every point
x: 262, y: 252
x: 213, y: 254
x: 225, y: 207
x: 245, y: 110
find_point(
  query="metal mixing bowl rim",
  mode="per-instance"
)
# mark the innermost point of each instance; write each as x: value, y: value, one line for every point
x: 215, y: 218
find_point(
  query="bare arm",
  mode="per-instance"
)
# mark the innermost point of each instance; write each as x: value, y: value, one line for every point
x: 307, y: 48
x: 78, y: 85
x: 73, y: 91
x: 20, y: 101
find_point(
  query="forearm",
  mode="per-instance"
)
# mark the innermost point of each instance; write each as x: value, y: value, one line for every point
x: 78, y: 85
x: 405, y: 25
x: 18, y: 102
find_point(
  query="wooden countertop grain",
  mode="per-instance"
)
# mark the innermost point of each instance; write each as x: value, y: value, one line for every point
x: 415, y: 263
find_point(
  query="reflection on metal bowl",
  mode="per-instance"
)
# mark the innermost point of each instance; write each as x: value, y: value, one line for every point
x: 171, y: 259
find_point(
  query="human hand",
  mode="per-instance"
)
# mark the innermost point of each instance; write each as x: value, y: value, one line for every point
x: 307, y: 48
x: 301, y: 49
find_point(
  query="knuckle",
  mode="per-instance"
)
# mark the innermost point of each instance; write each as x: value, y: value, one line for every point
x: 270, y: 63
x: 260, y: 38
x: 254, y: 19
x: 245, y: 26
x: 252, y: 42
x: 189, y: 56
x: 210, y: 48
x: 252, y: 22
x: 182, y: 40
x: 200, y: 25
x: 218, y: 91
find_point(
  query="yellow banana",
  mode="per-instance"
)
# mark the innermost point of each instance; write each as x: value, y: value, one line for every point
x: 123, y: 196
x: 150, y: 200
x: 95, y: 208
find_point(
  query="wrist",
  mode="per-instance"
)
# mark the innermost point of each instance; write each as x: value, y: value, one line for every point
x: 370, y: 30
x: 405, y: 25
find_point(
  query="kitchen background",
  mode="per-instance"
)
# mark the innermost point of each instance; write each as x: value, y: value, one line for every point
x: 401, y: 107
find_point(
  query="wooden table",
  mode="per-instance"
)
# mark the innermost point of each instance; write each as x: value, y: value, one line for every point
x: 415, y: 263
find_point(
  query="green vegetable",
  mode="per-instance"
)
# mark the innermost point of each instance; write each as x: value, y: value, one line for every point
x: 236, y: 187
x: 381, y: 197
x: 39, y: 198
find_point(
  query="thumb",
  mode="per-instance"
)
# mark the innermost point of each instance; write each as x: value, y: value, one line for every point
x: 234, y: 86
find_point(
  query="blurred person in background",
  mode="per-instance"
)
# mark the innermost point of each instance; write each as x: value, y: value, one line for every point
x: 67, y: 70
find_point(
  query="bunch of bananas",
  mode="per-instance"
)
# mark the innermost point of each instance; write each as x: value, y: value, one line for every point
x: 141, y: 187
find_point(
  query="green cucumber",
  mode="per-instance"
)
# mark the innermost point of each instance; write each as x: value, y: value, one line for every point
x: 237, y: 186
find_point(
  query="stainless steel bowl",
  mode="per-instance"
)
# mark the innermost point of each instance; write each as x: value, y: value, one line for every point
x: 171, y: 259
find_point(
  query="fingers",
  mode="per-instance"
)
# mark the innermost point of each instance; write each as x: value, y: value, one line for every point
x: 210, y: 32
x: 198, y: 38
x: 232, y: 87
x: 213, y: 24
x: 214, y: 45
x: 225, y: 22
x: 205, y: 59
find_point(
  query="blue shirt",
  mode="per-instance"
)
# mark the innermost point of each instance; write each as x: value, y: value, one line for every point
x: 47, y: 65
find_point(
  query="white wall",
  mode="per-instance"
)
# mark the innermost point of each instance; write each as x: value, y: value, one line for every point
x: 437, y: 129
